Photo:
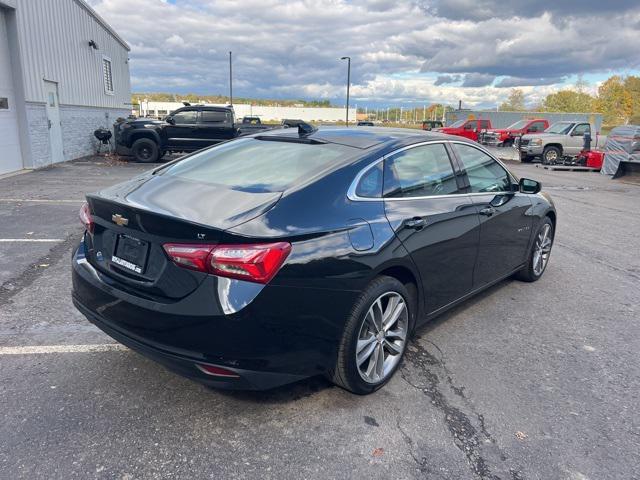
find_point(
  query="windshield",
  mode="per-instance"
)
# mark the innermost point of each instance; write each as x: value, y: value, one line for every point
x: 253, y: 165
x: 559, y: 127
x: 459, y: 123
x: 519, y: 125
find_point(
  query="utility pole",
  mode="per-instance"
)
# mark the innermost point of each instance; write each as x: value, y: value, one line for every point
x: 348, y: 59
x: 230, y: 80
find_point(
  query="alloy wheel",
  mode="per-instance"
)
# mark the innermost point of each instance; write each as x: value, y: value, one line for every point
x: 382, y: 337
x: 542, y: 249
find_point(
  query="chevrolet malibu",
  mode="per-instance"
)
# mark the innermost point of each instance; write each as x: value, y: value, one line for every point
x: 293, y: 253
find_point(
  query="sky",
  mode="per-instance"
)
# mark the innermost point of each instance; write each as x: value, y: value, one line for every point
x: 406, y: 53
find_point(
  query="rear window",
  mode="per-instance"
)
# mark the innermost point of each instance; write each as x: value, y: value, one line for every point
x: 257, y: 165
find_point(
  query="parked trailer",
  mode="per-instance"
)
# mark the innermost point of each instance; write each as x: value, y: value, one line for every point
x: 504, y: 119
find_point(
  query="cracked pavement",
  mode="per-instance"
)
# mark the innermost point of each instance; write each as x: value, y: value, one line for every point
x: 525, y: 381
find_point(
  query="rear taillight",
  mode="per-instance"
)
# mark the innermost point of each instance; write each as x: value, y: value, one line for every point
x: 86, y: 218
x: 252, y: 262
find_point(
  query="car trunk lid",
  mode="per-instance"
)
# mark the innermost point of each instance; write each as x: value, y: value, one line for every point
x: 134, y: 219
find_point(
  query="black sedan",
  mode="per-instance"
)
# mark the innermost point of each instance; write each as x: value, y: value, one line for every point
x: 294, y: 253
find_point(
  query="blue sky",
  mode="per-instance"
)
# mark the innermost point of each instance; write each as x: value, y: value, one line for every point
x: 403, y: 52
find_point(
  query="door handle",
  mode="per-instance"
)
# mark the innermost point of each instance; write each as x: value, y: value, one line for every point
x: 49, y: 122
x: 487, y: 211
x: 417, y: 223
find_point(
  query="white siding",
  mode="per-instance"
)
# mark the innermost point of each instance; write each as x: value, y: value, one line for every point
x: 54, y: 40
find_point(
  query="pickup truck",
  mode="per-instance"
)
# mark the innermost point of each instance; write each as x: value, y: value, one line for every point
x: 505, y: 137
x: 186, y: 129
x: 470, y: 129
x: 562, y: 139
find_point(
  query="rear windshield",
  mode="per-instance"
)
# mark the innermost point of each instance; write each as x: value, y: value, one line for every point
x: 257, y: 165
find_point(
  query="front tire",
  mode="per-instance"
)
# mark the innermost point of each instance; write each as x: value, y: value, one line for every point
x: 540, y: 253
x: 551, y: 155
x: 145, y: 150
x: 375, y: 337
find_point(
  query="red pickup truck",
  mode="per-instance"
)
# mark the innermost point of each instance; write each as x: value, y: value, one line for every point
x: 466, y: 128
x: 506, y: 136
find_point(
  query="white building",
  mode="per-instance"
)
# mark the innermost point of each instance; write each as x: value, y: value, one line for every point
x: 63, y: 73
x: 266, y: 113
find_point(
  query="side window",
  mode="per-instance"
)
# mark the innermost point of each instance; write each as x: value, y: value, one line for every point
x: 470, y: 125
x: 370, y: 185
x: 484, y: 123
x: 212, y: 116
x: 537, y: 127
x: 581, y: 129
x: 186, y: 117
x: 107, y: 75
x: 485, y: 174
x: 419, y: 172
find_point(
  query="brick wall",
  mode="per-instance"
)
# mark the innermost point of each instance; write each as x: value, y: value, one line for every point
x: 38, y: 136
x: 78, y: 124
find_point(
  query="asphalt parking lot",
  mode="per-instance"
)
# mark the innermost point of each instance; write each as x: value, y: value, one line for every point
x: 526, y: 381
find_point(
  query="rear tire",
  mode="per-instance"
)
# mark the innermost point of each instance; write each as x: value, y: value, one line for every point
x: 145, y: 150
x: 367, y: 360
x: 540, y: 252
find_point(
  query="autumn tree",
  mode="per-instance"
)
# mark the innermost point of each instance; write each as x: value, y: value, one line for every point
x: 569, y: 101
x: 515, y: 101
x: 632, y: 85
x: 615, y: 101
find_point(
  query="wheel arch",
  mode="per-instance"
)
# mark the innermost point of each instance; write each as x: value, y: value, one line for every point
x: 150, y: 134
x: 555, y: 145
x: 410, y: 279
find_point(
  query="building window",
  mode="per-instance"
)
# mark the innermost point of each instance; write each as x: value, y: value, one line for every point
x: 107, y: 75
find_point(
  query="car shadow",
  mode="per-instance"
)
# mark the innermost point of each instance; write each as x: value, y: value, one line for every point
x: 285, y: 394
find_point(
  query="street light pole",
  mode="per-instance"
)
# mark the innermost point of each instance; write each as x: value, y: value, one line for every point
x: 348, y: 59
x: 230, y: 80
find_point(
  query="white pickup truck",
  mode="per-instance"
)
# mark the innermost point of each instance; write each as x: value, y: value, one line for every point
x: 562, y: 139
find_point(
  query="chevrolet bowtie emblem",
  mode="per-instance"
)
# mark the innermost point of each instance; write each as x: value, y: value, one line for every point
x: 119, y: 219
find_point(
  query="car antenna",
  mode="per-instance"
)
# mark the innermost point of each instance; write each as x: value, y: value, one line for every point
x: 305, y: 129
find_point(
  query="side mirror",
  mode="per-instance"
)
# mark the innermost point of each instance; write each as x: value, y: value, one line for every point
x: 529, y: 186
x: 170, y: 120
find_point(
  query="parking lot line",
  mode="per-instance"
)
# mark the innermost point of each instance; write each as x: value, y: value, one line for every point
x: 31, y: 240
x: 40, y: 349
x: 40, y: 200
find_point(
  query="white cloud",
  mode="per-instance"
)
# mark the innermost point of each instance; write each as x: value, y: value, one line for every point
x: 291, y: 49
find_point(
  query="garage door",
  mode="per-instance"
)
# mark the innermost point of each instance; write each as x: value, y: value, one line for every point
x: 10, y: 156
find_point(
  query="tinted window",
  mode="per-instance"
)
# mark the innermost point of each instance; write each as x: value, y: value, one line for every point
x: 257, y: 165
x: 485, y: 174
x: 581, y: 129
x: 419, y: 172
x: 536, y: 127
x: 370, y: 185
x: 186, y: 117
x: 484, y: 123
x: 215, y: 117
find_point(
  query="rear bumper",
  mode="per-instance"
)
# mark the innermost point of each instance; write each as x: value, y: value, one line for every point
x: 278, y: 335
x: 186, y: 366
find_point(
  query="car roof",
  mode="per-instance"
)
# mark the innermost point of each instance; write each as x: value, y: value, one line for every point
x: 362, y: 137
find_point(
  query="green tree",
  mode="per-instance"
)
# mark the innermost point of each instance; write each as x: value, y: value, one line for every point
x: 615, y: 101
x: 568, y: 101
x: 515, y: 101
